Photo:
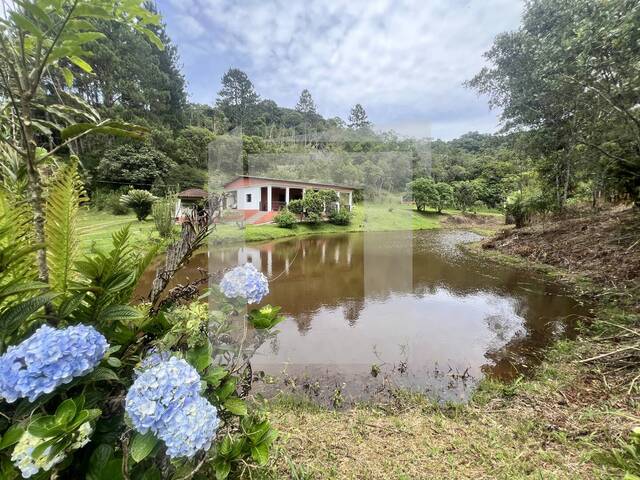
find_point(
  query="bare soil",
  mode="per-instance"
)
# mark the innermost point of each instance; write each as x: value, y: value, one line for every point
x: 603, y: 246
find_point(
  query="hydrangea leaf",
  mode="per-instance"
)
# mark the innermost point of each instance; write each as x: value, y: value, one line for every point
x: 11, y: 436
x: 142, y: 445
x: 236, y: 406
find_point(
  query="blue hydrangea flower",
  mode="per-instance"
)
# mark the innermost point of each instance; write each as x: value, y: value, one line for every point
x: 192, y: 429
x: 165, y: 399
x: 159, y: 392
x: 153, y: 358
x: 245, y: 281
x: 49, y: 358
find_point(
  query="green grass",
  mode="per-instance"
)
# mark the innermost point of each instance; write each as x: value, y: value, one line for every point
x: 370, y: 217
x: 96, y: 229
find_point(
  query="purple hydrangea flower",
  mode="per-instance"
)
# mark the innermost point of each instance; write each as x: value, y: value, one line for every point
x: 49, y: 358
x: 245, y: 281
x: 165, y: 399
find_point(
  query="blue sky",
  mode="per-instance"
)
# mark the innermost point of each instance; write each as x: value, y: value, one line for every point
x: 404, y: 60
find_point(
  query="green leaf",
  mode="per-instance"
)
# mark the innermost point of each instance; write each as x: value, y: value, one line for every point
x: 215, y: 375
x: 104, y: 374
x: 11, y: 436
x: 260, y: 453
x: 142, y: 446
x: 98, y: 461
x: 223, y: 468
x: 153, y: 38
x: 13, y: 317
x: 119, y: 313
x: 65, y: 412
x: 258, y: 431
x: 44, y: 427
x: 200, y: 357
x: 68, y: 76
x: 226, y: 389
x: 236, y: 406
x: 114, y: 362
x: 26, y: 24
x: 81, y: 64
x: 152, y: 473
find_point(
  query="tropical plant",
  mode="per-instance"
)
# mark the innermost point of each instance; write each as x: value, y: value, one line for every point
x: 140, y: 201
x: 40, y: 41
x: 164, y: 215
x: 64, y: 416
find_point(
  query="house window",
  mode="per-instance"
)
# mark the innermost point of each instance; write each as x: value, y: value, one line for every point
x: 248, y: 198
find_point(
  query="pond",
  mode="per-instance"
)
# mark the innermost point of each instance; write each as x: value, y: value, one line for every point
x: 368, y: 312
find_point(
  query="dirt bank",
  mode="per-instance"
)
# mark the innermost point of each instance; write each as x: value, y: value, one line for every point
x: 604, y: 247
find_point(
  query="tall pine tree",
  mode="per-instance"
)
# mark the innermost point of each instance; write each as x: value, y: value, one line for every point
x: 237, y: 98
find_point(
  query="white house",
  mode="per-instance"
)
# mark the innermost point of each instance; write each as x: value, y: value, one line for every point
x: 260, y: 198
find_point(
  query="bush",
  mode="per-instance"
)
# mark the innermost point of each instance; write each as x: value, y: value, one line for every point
x: 285, y: 219
x: 296, y: 206
x: 140, y: 201
x: 340, y: 217
x: 522, y: 206
x: 314, y: 218
x: 164, y: 215
x: 116, y: 206
x: 313, y: 203
x: 133, y: 164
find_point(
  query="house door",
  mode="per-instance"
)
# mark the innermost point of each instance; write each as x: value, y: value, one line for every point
x: 264, y: 199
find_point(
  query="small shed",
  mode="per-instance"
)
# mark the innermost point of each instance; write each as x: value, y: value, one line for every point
x: 188, y: 200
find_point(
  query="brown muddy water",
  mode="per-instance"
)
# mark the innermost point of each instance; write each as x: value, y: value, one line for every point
x: 369, y: 312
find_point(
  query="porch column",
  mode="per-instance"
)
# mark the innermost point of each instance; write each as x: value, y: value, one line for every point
x: 286, y: 196
x: 350, y: 201
x: 269, y: 198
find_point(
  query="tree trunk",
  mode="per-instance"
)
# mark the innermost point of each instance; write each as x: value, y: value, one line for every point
x: 35, y: 187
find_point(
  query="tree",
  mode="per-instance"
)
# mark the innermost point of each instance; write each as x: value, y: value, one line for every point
x: 465, y: 195
x: 358, y: 118
x: 138, y: 165
x: 192, y: 146
x: 40, y: 41
x: 444, y: 197
x: 237, y: 98
x: 568, y: 75
x: 424, y: 193
x: 140, y: 201
x: 306, y: 104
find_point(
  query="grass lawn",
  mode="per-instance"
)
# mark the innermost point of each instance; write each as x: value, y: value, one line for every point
x: 96, y: 229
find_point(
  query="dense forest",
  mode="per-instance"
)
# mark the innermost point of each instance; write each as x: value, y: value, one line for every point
x: 570, y: 116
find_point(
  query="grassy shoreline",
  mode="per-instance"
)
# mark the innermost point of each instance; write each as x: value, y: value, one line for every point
x: 552, y: 425
x: 96, y: 228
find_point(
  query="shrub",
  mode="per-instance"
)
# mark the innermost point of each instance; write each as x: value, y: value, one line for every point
x: 465, y: 195
x: 285, y: 219
x: 314, y: 218
x: 313, y: 203
x: 340, y: 217
x: 296, y: 206
x: 163, y: 212
x: 140, y: 201
x: 135, y: 164
x: 116, y: 206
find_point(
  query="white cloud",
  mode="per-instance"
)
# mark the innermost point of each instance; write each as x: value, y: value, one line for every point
x: 408, y: 57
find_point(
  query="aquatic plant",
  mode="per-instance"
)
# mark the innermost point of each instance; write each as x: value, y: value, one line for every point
x: 47, y: 359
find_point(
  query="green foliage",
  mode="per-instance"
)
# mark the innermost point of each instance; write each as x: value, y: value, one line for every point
x: 265, y: 317
x: 192, y: 146
x: 237, y: 98
x: 138, y: 165
x: 424, y: 193
x: 163, y: 211
x: 313, y: 203
x: 66, y: 192
x: 296, y: 206
x: 140, y: 201
x: 285, y: 219
x: 465, y: 195
x: 626, y: 457
x: 340, y: 217
x: 445, y: 196
x: 521, y: 206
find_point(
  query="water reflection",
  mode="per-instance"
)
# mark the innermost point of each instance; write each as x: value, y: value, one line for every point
x: 400, y: 298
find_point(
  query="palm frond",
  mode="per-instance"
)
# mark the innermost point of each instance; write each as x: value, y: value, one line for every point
x: 65, y: 194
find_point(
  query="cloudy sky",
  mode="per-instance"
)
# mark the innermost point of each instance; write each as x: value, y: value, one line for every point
x: 404, y: 60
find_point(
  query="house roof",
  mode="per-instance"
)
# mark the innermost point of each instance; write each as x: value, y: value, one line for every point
x: 250, y: 180
x: 193, y: 193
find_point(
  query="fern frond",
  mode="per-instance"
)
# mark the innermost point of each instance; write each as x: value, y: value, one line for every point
x: 65, y: 193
